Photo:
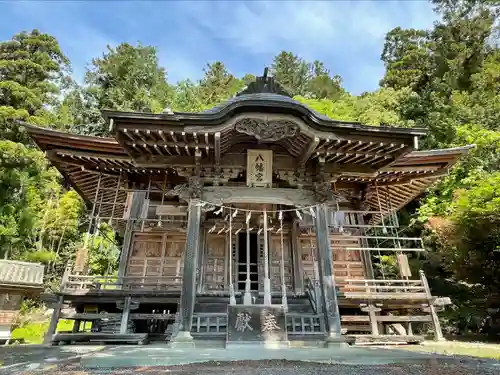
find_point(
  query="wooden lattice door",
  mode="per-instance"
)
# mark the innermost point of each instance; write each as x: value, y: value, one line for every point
x: 275, y: 262
x: 173, y: 262
x: 307, y: 250
x: 347, y: 263
x: 215, y: 262
x: 146, y: 256
x: 156, y: 255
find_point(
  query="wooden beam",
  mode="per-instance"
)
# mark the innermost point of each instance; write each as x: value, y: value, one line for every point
x: 350, y: 169
x: 401, y: 319
x: 217, y: 148
x: 90, y: 155
x: 176, y: 144
x: 290, y: 197
x: 405, y: 181
x: 354, y: 318
x: 89, y: 316
x: 386, y: 296
x: 309, y: 151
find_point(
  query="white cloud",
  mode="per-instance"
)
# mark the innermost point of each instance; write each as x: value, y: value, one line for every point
x: 268, y: 26
x: 347, y: 36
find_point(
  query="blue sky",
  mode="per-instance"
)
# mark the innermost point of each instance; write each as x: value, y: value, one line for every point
x: 346, y: 35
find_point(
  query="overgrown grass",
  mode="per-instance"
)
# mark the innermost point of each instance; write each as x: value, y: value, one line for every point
x: 472, y: 349
x: 33, y: 333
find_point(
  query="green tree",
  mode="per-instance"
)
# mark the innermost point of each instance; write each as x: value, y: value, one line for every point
x: 382, y: 107
x: 103, y: 251
x: 125, y: 78
x: 459, y: 105
x: 322, y: 86
x: 217, y: 84
x: 406, y: 59
x: 79, y: 113
x: 26, y: 185
x: 32, y: 70
x: 186, y: 97
x: 345, y: 108
x: 293, y: 72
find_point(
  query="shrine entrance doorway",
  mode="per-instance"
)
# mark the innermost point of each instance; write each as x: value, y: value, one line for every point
x: 245, y: 257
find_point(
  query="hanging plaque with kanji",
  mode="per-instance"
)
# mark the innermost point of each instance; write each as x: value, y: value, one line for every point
x: 259, y: 168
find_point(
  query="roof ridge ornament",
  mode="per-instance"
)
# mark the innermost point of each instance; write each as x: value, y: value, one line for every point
x: 266, y: 84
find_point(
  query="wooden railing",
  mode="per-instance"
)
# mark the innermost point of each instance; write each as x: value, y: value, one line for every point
x: 351, y: 219
x: 304, y: 324
x: 385, y: 289
x: 131, y: 283
x: 209, y: 324
x: 311, y: 287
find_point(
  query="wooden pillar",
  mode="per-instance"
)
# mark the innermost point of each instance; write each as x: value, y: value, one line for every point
x: 365, y: 255
x: 135, y: 210
x: 53, y: 321
x: 200, y: 286
x: 125, y: 315
x: 438, y: 334
x: 325, y: 263
x: 410, y: 329
x: 372, y: 313
x: 298, y: 272
x: 267, y: 280
x: 188, y: 293
x: 76, y: 326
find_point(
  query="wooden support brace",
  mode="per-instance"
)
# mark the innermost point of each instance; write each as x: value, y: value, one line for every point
x: 438, y: 333
x: 53, y: 321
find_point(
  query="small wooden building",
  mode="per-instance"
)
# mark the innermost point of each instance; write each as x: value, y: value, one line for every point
x: 257, y: 203
x: 17, y: 281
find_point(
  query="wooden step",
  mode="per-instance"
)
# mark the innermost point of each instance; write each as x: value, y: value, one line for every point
x: 356, y: 327
x: 385, y: 339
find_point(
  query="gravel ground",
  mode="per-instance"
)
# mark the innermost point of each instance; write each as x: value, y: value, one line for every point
x: 276, y: 367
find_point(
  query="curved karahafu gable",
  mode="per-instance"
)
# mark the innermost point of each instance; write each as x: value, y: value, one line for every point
x: 269, y: 103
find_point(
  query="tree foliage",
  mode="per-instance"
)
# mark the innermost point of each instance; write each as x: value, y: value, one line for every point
x: 129, y: 78
x: 32, y: 72
x: 26, y: 184
x: 303, y: 78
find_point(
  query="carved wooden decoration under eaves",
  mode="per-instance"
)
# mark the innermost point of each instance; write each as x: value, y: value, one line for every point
x: 267, y: 131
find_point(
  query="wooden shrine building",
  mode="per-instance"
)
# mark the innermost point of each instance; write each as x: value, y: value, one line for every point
x: 258, y: 213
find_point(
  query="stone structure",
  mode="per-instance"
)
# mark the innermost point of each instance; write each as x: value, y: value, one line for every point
x: 259, y: 202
